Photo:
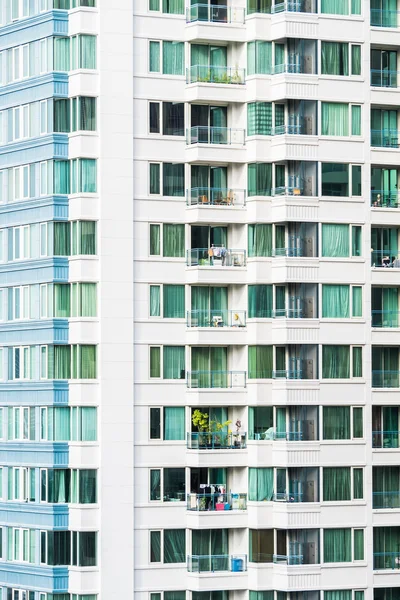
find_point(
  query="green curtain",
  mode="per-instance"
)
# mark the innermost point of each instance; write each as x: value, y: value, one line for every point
x: 358, y: 426
x: 155, y: 240
x: 336, y: 423
x: 336, y: 301
x: 260, y: 301
x: 87, y: 52
x: 259, y: 118
x: 173, y: 58
x: 62, y: 362
x: 88, y: 361
x: 356, y: 240
x: 335, y: 7
x: 61, y: 53
x: 154, y: 57
x: 88, y: 175
x: 355, y: 60
x: 155, y: 178
x: 259, y: 58
x: 334, y: 58
x: 173, y: 179
x: 335, y: 362
x: 61, y: 184
x: 386, y: 487
x: 355, y: 119
x: 334, y: 119
x: 155, y: 361
x: 358, y: 544
x: 155, y: 301
x: 279, y: 57
x: 61, y: 116
x: 358, y: 484
x: 87, y: 300
x: 173, y: 240
x: 338, y: 595
x: 259, y: 179
x: 337, y: 545
x: 261, y: 484
x: 336, y: 484
x: 258, y: 6
x: 174, y: 546
x: 390, y: 304
x: 357, y: 301
x: 62, y: 300
x: 174, y: 423
x: 174, y: 7
x: 357, y: 361
x: 356, y: 7
x: 335, y: 240
x: 87, y: 238
x: 260, y: 362
x: 386, y: 543
x: 174, y: 362
x: 174, y: 301
x: 260, y: 239
x: 62, y: 239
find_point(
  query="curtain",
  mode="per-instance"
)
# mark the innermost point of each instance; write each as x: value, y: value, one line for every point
x: 154, y: 57
x: 174, y: 301
x: 336, y: 423
x: 338, y: 595
x: 173, y: 179
x: 174, y: 546
x: 358, y: 544
x: 385, y: 367
x: 260, y: 362
x: 357, y: 301
x: 155, y: 361
x: 386, y: 546
x: 61, y: 116
x: 259, y: 179
x: 358, y: 422
x: 61, y: 183
x: 335, y: 119
x: 336, y: 301
x: 87, y: 112
x: 61, y: 54
x: 261, y: 484
x: 88, y: 175
x: 337, y: 545
x: 173, y: 58
x: 335, y: 362
x: 88, y: 299
x: 174, y: 423
x: 62, y: 298
x: 335, y: 240
x: 260, y: 239
x: 87, y: 362
x: 87, y: 52
x: 357, y: 361
x: 174, y: 7
x: 390, y: 304
x: 173, y: 240
x: 335, y: 58
x: 155, y: 484
x: 336, y: 484
x: 355, y: 120
x: 260, y: 301
x: 386, y: 487
x: 87, y: 238
x: 258, y: 6
x: 62, y: 244
x: 259, y: 118
x: 259, y: 58
x: 62, y: 362
x: 154, y: 240
x: 358, y: 484
x: 355, y: 60
x: 155, y: 546
x: 335, y: 7
x: 174, y: 362
x: 87, y: 486
x: 155, y: 301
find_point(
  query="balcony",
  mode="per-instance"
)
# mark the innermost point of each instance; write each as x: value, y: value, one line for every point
x: 384, y: 18
x: 385, y: 379
x: 292, y: 559
x: 384, y: 78
x: 216, y: 318
x: 216, y: 440
x: 221, y: 197
x: 216, y: 379
x: 215, y: 257
x: 296, y: 7
x: 215, y: 135
x: 288, y: 497
x: 385, y: 138
x: 384, y: 199
x: 216, y: 502
x: 210, y: 13
x: 386, y: 500
x: 385, y: 439
x: 385, y: 259
x: 386, y: 560
x: 385, y: 318
x: 215, y: 144
x: 234, y: 563
x: 215, y: 74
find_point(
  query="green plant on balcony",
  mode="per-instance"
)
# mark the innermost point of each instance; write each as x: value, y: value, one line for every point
x: 236, y: 77
x: 223, y: 78
x: 204, y: 77
x: 202, y: 422
x: 220, y: 433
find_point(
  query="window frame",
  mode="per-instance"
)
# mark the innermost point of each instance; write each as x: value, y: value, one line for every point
x: 160, y: 179
x: 23, y: 248
x: 24, y: 351
x: 159, y: 103
x: 24, y: 309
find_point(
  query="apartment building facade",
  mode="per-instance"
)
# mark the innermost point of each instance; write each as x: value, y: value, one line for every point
x: 266, y: 253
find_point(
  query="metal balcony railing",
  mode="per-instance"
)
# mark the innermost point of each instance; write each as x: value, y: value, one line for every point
x: 291, y: 251
x: 216, y: 502
x: 288, y: 374
x: 216, y: 379
x: 216, y: 440
x: 205, y: 196
x: 288, y: 497
x: 215, y: 74
x: 288, y: 313
x: 216, y: 318
x: 216, y: 257
x: 211, y: 13
x: 292, y: 559
x: 217, y: 562
x: 215, y: 135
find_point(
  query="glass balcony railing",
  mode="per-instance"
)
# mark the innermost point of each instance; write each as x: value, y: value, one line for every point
x: 287, y: 68
x: 292, y: 559
x: 216, y: 257
x: 385, y: 259
x: 287, y: 7
x: 288, y: 313
x: 216, y: 440
x: 385, y: 439
x: 216, y: 379
x: 217, y: 562
x: 288, y: 374
x: 385, y: 318
x: 214, y: 502
x: 215, y: 135
x: 384, y: 199
x: 386, y: 560
x: 287, y: 436
x: 216, y: 318
x: 287, y: 190
x: 384, y: 78
x: 385, y: 138
x: 292, y: 251
x: 215, y: 74
x: 384, y: 18
x: 386, y: 499
x: 290, y: 497
x: 200, y: 196
x: 385, y: 379
x: 287, y: 129
x: 211, y: 13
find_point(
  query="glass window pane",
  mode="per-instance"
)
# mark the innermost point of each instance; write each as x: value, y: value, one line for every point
x: 155, y: 361
x: 155, y: 170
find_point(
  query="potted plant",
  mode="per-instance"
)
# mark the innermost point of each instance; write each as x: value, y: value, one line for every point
x: 202, y: 422
x: 222, y: 437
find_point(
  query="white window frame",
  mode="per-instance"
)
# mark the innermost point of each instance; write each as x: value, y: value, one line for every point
x: 3, y: 186
x: 43, y: 66
x: 44, y: 238
x: 24, y: 242
x: 1, y: 378
x: 43, y: 533
x: 22, y: 9
x: 2, y: 141
x: 23, y: 291
x: 44, y: 312
x: 2, y: 310
x: 24, y: 357
x: 161, y: 361
x: 20, y: 478
x: 43, y: 175
x: 160, y: 45
x: 160, y: 104
x: 44, y: 423
x: 21, y: 176
x: 155, y: 162
x: 21, y: 123
x: 160, y: 285
x: 23, y: 551
x: 2, y: 252
x: 43, y: 112
x: 44, y: 362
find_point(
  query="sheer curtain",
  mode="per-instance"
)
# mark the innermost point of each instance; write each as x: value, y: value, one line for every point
x: 174, y: 7
x: 174, y: 301
x: 335, y: 240
x: 174, y: 423
x: 173, y: 362
x: 88, y: 299
x: 336, y: 484
x: 62, y: 362
x: 87, y: 52
x: 336, y: 362
x: 62, y: 300
x: 260, y: 239
x: 335, y: 119
x: 260, y: 301
x: 260, y: 362
x: 173, y: 240
x: 335, y: 58
x: 174, y: 546
x: 336, y: 301
x: 88, y: 361
x: 335, y: 7
x: 259, y: 58
x: 173, y: 58
x: 259, y: 179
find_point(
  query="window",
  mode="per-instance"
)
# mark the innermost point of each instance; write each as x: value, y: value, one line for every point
x: 259, y: 57
x: 260, y: 240
x: 72, y: 362
x: 172, y: 242
x: 43, y: 124
x: 336, y: 179
x: 167, y: 423
x: 259, y: 118
x: 261, y: 545
x: 343, y: 7
x: 19, y: 9
x: 155, y: 245
x: 83, y: 300
x: 336, y: 362
x: 173, y: 179
x: 340, y: 119
x: 84, y: 238
x: 21, y: 484
x: 21, y: 544
x: 173, y: 362
x: 168, y: 546
x: 77, y: 548
x: 342, y: 422
x: 260, y: 362
x: 167, y: 58
x: 20, y: 62
x: 173, y: 118
x: 83, y: 114
x: 173, y: 7
x: 68, y: 486
x: 335, y: 58
x: 171, y: 304
x: 342, y: 484
x: 64, y: 424
x: 21, y: 366
x: 155, y: 178
x: 261, y: 484
x: 83, y: 52
x: 20, y: 298
x: 21, y: 242
x: 341, y: 301
x: 259, y: 179
x: 21, y: 181
x: 21, y: 122
x: 260, y: 301
x: 154, y: 122
x: 343, y: 545
x: 336, y: 241
x: 167, y: 485
x: 21, y: 423
x: 83, y: 176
